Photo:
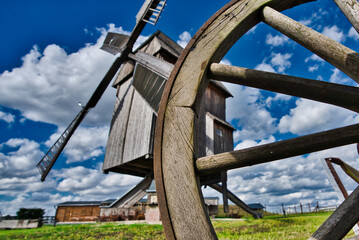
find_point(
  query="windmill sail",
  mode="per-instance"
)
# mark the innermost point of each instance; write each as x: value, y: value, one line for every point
x: 51, y: 156
x: 47, y: 162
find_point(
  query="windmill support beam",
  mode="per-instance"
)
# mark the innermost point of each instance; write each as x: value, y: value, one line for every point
x: 134, y: 195
x: 237, y: 201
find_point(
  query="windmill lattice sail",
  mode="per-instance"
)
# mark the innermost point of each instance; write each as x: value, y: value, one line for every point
x: 54, y: 152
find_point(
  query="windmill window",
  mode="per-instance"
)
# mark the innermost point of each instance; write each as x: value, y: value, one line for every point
x: 219, y: 132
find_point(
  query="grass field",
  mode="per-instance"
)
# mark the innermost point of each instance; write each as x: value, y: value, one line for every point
x: 270, y: 227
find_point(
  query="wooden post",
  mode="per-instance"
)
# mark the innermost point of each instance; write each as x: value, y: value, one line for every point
x: 301, y: 207
x: 310, y: 210
x: 284, y: 214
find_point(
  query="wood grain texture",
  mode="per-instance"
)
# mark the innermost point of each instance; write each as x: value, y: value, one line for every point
x: 116, y: 139
x: 279, y: 150
x: 331, y: 51
x: 138, y: 132
x: 341, y: 221
x: 350, y: 8
x: 176, y: 181
x: 335, y: 94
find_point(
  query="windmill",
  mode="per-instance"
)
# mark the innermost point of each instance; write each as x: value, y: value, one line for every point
x: 114, y: 43
x: 140, y: 82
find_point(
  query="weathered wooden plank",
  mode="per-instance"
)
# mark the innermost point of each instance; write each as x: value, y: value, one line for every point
x: 156, y: 65
x: 341, y: 221
x: 350, y: 8
x: 333, y: 52
x: 125, y: 72
x: 138, y: 132
x: 279, y: 150
x: 176, y: 181
x: 184, y: 187
x: 116, y: 139
x: 335, y: 94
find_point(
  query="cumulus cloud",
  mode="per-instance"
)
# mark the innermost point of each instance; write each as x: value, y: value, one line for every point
x: 50, y: 83
x: 281, y: 61
x: 184, y: 38
x: 353, y: 33
x: 277, y: 62
x: 7, y: 117
x: 313, y: 68
x: 248, y: 113
x: 338, y: 77
x: 91, y: 183
x: 292, y: 181
x: 334, y: 33
x: 309, y: 116
x: 265, y: 67
x: 275, y: 41
x: 86, y: 143
x: 314, y: 58
x: 20, y: 158
x: 278, y: 97
x: 251, y: 143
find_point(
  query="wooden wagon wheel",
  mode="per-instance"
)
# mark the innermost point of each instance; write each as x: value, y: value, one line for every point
x: 176, y: 166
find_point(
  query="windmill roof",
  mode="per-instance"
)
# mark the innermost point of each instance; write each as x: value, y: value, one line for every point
x: 256, y: 206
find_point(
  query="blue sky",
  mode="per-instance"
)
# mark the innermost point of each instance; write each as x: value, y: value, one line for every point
x: 51, y: 60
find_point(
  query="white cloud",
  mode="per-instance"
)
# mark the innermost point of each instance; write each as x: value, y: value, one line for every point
x: 184, y: 38
x: 314, y: 58
x: 313, y: 68
x: 281, y: 61
x: 49, y: 84
x: 21, y: 159
x: 91, y: 183
x: 275, y: 41
x: 279, y: 97
x: 277, y: 63
x: 353, y: 33
x: 251, y: 143
x: 309, y: 116
x: 293, y: 180
x: 334, y: 33
x: 7, y: 117
x: 85, y: 144
x: 338, y: 77
x: 252, y: 119
x: 265, y: 67
x: 226, y: 62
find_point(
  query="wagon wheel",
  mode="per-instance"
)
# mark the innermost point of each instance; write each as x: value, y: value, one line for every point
x: 176, y: 166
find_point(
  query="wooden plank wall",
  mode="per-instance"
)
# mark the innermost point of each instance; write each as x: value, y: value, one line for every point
x: 223, y: 142
x: 116, y: 139
x: 77, y: 213
x: 138, y: 129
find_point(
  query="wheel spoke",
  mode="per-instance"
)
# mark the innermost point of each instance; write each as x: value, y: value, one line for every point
x: 279, y: 150
x: 333, y: 52
x: 350, y: 8
x: 336, y: 94
x: 341, y: 221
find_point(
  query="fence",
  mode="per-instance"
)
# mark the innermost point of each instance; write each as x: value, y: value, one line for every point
x: 302, y: 208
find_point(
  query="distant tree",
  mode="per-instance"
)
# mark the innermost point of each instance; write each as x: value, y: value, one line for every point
x: 30, y: 213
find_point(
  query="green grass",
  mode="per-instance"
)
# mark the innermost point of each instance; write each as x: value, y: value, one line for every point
x: 270, y: 227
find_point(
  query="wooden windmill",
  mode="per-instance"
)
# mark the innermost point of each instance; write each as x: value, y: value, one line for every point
x: 140, y: 83
x: 182, y: 145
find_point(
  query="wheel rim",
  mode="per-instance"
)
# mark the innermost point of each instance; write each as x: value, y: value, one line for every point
x: 176, y: 176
